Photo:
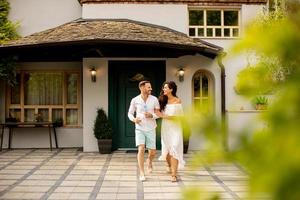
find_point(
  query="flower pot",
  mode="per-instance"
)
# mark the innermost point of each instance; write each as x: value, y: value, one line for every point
x: 260, y: 106
x: 104, y: 146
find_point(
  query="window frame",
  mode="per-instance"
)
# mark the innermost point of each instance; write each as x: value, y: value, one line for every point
x: 222, y: 26
x: 211, y: 88
x: 36, y: 107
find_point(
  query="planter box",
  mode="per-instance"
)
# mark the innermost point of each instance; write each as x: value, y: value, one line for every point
x: 105, y: 146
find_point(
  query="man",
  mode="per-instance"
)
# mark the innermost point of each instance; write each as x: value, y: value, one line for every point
x: 144, y: 105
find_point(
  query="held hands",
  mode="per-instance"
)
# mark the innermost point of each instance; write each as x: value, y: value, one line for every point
x: 159, y: 114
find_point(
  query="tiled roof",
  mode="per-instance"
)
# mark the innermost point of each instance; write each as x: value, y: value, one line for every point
x: 124, y: 31
x: 189, y: 2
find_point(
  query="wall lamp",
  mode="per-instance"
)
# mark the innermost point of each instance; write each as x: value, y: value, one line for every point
x: 181, y: 74
x: 93, y: 74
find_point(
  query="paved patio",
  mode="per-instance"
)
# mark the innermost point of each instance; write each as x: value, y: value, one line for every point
x: 72, y: 174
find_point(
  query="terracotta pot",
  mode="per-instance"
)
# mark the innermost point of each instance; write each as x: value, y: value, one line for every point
x: 260, y: 106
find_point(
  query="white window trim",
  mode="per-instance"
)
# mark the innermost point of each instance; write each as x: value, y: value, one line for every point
x: 223, y: 27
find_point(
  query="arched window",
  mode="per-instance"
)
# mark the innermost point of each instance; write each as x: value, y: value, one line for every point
x: 202, y: 86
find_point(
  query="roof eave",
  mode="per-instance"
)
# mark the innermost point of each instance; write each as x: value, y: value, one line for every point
x: 212, y: 52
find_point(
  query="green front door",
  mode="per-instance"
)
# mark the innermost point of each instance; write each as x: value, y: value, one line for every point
x: 124, y: 77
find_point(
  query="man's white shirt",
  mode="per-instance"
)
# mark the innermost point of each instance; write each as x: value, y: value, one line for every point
x: 139, y: 106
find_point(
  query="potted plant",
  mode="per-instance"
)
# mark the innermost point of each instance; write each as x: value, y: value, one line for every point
x: 261, y: 103
x: 103, y: 132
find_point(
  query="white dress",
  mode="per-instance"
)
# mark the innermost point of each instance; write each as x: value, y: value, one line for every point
x: 171, y: 135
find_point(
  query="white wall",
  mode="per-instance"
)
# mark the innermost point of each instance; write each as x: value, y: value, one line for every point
x: 95, y: 95
x: 39, y: 138
x: 168, y: 15
x: 235, y: 63
x: 38, y: 15
x: 191, y: 65
x: 241, y: 123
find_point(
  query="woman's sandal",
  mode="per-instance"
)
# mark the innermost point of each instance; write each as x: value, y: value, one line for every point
x: 174, y: 179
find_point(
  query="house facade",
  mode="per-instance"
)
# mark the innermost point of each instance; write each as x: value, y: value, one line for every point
x: 124, y: 41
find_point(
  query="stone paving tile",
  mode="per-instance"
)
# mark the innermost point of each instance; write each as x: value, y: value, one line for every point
x: 107, y: 196
x: 72, y: 174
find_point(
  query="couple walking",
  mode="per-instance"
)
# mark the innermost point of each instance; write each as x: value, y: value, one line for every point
x: 147, y: 109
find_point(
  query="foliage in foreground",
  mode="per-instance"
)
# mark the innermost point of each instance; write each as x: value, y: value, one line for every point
x: 8, y: 31
x: 271, y: 155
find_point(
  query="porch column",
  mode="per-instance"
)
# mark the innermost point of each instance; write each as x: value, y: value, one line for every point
x: 95, y: 95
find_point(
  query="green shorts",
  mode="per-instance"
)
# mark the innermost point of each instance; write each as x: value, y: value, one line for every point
x: 145, y: 137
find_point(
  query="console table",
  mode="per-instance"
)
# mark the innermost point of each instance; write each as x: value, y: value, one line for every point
x: 13, y: 125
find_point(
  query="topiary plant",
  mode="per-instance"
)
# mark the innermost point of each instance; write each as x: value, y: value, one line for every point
x: 102, y: 126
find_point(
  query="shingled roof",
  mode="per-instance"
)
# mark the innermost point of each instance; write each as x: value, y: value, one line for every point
x: 189, y: 2
x: 111, y: 31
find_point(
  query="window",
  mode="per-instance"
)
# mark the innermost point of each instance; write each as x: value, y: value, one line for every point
x: 202, y: 91
x: 214, y: 23
x: 45, y: 96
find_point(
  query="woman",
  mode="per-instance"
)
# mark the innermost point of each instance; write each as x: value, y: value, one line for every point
x: 171, y: 130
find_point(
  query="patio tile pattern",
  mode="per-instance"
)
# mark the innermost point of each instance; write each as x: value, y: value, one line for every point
x: 72, y: 174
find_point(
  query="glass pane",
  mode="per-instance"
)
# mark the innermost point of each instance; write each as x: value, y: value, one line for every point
x: 57, y: 114
x: 43, y: 115
x: 14, y: 115
x: 15, y: 91
x: 196, y: 17
x: 43, y: 88
x: 235, y: 32
x: 192, y: 32
x: 205, y: 106
x: 231, y: 18
x: 204, y: 86
x: 72, y: 117
x: 209, y: 32
x: 226, y: 32
x: 29, y: 115
x: 218, y: 32
x: 197, y: 105
x: 200, y: 31
x: 197, y: 86
x: 213, y: 18
x: 72, y: 80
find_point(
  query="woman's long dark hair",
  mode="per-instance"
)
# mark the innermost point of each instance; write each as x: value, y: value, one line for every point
x: 163, y: 99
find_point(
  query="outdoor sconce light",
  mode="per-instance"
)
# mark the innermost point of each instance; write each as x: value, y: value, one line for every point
x: 181, y: 74
x: 93, y: 74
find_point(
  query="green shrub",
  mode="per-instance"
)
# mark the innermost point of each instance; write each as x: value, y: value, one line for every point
x: 102, y: 126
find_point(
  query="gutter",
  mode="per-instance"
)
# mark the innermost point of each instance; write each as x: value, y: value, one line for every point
x: 223, y: 100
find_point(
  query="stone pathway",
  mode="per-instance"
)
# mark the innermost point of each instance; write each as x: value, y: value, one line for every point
x: 72, y: 174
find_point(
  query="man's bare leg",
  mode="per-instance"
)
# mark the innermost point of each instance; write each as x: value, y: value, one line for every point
x: 151, y: 155
x: 140, y: 158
